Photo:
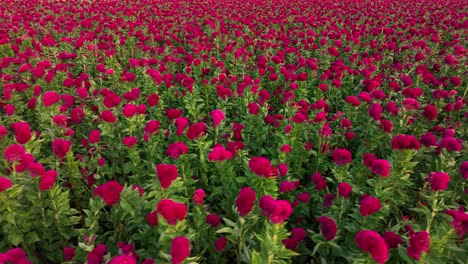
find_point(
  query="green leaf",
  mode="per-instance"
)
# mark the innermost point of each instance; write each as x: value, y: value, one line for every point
x: 31, y: 238
x: 226, y: 230
x: 229, y: 222
x: 257, y: 258
x: 15, y: 237
x: 403, y: 255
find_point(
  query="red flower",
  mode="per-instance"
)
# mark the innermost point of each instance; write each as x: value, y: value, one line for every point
x: 344, y: 189
x: 430, y: 112
x: 459, y: 223
x: 153, y: 100
x: 22, y: 132
x: 196, y: 130
x: 405, y: 142
x: 152, y: 218
x: 262, y: 167
x: 129, y: 110
x: 299, y: 118
x: 61, y: 147
x: 287, y: 186
x: 428, y: 140
x: 173, y: 113
x: 48, y: 180
x: 219, y: 153
x: 50, y: 98
x: 392, y: 240
x: 94, y: 136
x: 107, y: 116
x: 283, y: 169
x: 410, y: 104
x: 392, y: 108
x: 253, y: 108
x: 418, y: 243
x: 450, y: 144
x: 35, y: 169
x: 386, y: 125
x: 455, y: 81
x: 368, y: 159
x: 175, y: 150
x: 220, y: 243
x: 151, y: 126
x: 198, y: 196
x: 327, y: 227
x: 128, y: 77
x: 14, y: 153
x: 245, y: 201
x: 166, y: 174
x: 123, y: 259
x: 319, y: 117
x: 375, y: 111
x: 439, y: 180
x: 129, y: 141
x: 9, y: 109
x: 181, y: 123
x: 290, y: 243
x: 298, y: 233
x: 16, y: 256
x: 370, y: 241
x: 5, y: 183
x: 352, y: 100
x: 217, y: 116
x: 24, y: 161
x: 369, y: 205
x: 68, y: 253
x: 464, y: 170
x: 172, y: 211
x: 97, y: 254
x: 380, y: 167
x: 285, y: 148
x: 276, y: 210
x: 303, y: 197
x: 328, y: 199
x: 319, y: 181
x: 60, y: 121
x: 109, y: 192
x: 3, y: 132
x: 213, y: 220
x: 77, y: 115
x: 341, y: 157
x: 111, y: 100
x: 180, y: 249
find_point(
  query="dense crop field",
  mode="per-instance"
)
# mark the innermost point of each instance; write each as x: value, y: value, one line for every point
x: 234, y: 131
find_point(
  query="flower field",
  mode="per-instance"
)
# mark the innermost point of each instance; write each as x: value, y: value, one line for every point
x: 234, y: 131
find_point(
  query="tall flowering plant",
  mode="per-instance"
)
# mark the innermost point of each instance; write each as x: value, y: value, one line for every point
x: 233, y: 131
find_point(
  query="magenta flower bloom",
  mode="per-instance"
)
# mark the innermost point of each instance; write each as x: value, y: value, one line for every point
x: 245, y: 201
x: 341, y: 157
x: 180, y: 249
x: 217, y: 116
x: 438, y: 180
x: 418, y: 243
x: 380, y: 167
x: 370, y: 241
x: 344, y: 189
x: 328, y: 227
x: 369, y: 205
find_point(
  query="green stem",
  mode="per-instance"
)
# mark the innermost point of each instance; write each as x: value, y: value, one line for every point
x: 14, y: 170
x: 240, y: 244
x: 341, y: 209
x: 271, y: 255
x: 434, y: 211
